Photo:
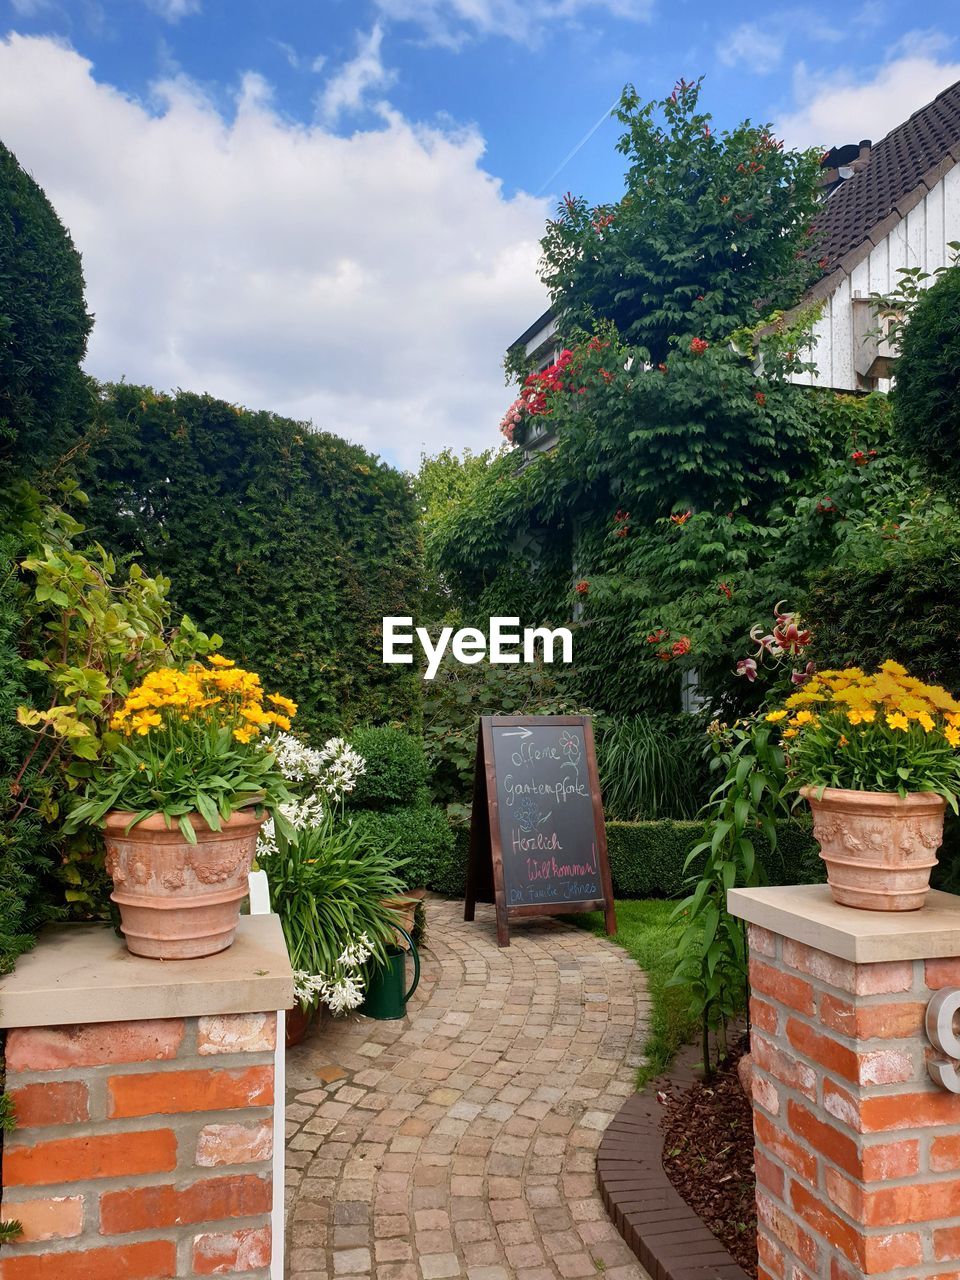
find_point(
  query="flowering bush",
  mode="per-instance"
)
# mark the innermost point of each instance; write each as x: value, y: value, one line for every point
x: 882, y: 732
x: 188, y: 742
x: 345, y: 988
x: 533, y: 400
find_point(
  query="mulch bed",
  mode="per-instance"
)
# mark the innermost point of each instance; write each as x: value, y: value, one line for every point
x: 708, y: 1156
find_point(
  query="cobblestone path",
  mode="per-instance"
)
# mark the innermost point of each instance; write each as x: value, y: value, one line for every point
x: 462, y: 1140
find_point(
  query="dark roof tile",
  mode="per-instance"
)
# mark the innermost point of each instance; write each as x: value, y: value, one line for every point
x: 909, y: 155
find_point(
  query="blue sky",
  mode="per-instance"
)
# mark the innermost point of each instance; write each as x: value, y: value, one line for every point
x: 371, y: 176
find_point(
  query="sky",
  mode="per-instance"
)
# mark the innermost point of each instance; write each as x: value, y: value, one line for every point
x: 332, y: 208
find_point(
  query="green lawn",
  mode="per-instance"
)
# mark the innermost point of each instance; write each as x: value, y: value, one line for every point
x: 645, y: 930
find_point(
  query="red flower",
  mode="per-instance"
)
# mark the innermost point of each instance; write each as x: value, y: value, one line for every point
x: 662, y: 368
x: 677, y: 518
x: 606, y: 375
x: 747, y: 667
x: 859, y: 457
x: 621, y: 516
x: 681, y: 646
x: 760, y: 398
x: 664, y: 655
x: 655, y: 637
x: 725, y: 589
x: 583, y: 588
x: 698, y: 346
x: 623, y: 531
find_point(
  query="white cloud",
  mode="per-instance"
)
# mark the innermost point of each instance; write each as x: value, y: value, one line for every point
x: 450, y: 22
x: 839, y: 107
x: 348, y: 87
x: 174, y: 10
x: 748, y: 44
x: 368, y: 283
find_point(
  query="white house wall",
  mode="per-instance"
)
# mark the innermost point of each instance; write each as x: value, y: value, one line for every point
x: 918, y: 240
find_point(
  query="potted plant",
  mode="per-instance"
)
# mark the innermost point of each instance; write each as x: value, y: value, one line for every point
x: 187, y: 779
x: 877, y: 758
x: 331, y: 894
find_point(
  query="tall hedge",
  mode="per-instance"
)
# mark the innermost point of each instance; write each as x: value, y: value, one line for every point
x: 926, y: 394
x: 44, y: 396
x: 905, y: 607
x: 292, y: 543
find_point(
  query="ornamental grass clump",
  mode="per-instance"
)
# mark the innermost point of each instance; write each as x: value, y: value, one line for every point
x: 886, y: 731
x: 191, y: 741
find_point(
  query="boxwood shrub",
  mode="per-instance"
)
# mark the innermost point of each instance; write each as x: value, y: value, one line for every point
x: 396, y: 768
x: 418, y: 836
x: 646, y: 858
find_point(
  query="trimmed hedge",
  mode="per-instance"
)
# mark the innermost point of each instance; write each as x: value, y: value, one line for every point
x: 45, y: 398
x: 419, y: 837
x: 904, y: 608
x: 926, y: 394
x: 396, y: 768
x: 291, y: 543
x: 646, y: 858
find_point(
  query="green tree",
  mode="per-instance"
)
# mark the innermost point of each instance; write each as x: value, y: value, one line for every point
x: 713, y: 229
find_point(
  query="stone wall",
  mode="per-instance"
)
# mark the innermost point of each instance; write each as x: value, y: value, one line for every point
x: 142, y: 1150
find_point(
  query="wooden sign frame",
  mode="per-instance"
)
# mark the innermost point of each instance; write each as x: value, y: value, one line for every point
x: 485, y: 877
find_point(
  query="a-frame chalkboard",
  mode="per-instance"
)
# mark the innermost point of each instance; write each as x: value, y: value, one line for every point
x: 538, y: 845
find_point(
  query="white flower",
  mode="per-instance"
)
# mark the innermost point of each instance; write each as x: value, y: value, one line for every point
x: 301, y: 814
x: 356, y: 953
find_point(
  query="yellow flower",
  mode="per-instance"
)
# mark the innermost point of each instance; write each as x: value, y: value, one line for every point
x: 282, y: 722
x: 869, y: 715
x: 144, y: 723
x: 952, y: 735
x: 844, y: 741
x: 804, y: 717
x: 775, y: 717
x: 897, y: 720
x: 244, y: 735
x: 288, y: 705
x: 218, y: 660
x: 893, y: 668
x: 790, y: 733
x: 926, y: 721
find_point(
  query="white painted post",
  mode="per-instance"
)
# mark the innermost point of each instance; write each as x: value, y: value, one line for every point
x: 260, y: 906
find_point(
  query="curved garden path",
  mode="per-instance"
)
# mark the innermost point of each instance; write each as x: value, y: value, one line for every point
x: 462, y: 1140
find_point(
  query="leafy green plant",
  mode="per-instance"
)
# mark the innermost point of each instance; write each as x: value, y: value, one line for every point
x: 651, y: 768
x: 330, y: 887
x: 396, y: 768
x: 711, y: 956
x: 418, y: 836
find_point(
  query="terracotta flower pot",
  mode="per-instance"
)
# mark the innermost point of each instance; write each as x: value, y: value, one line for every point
x: 405, y: 905
x: 879, y: 849
x: 178, y: 901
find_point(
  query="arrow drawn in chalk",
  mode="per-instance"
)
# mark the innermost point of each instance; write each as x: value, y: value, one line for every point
x: 517, y: 733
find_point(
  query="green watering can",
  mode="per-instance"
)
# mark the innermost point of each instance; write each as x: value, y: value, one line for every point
x: 385, y: 997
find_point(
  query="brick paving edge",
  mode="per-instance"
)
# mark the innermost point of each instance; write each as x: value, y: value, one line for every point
x: 663, y: 1231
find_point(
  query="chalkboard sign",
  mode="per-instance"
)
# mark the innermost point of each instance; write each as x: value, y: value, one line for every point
x: 537, y: 840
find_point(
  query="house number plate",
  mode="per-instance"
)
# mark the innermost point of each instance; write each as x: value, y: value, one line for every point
x: 941, y: 1012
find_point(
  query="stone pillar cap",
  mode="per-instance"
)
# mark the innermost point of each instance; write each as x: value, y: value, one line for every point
x: 807, y: 913
x: 80, y: 973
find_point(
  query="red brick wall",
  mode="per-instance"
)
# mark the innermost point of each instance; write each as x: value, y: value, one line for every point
x: 857, y: 1150
x: 142, y: 1149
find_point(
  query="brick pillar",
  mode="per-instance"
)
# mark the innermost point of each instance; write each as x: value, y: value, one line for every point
x: 857, y: 1149
x: 143, y: 1148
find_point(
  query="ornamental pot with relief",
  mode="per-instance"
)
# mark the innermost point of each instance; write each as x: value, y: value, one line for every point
x: 179, y: 900
x: 879, y: 848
